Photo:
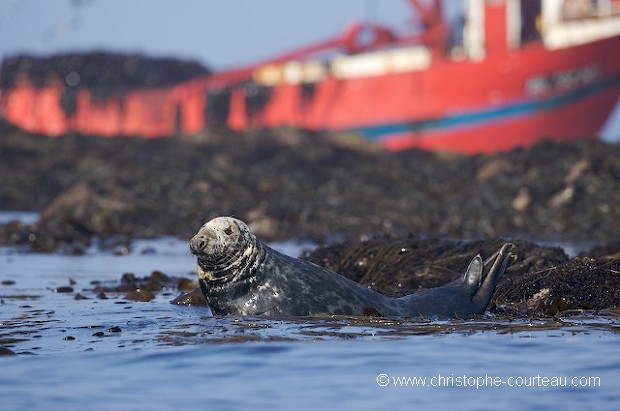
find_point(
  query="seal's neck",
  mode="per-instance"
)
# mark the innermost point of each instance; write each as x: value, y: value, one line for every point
x: 236, y: 278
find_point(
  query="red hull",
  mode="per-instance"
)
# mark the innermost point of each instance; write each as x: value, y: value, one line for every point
x: 577, y: 121
x: 581, y: 115
x: 467, y: 107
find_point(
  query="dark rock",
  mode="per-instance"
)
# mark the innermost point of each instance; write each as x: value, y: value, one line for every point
x: 6, y: 351
x: 580, y: 283
x: 158, y: 276
x: 140, y: 294
x: 302, y: 186
x: 100, y: 71
x: 186, y: 284
x: 194, y: 297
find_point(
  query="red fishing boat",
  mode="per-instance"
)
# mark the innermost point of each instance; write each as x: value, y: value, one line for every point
x: 507, y: 73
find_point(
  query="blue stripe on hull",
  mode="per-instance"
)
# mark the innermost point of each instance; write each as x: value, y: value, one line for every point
x: 491, y: 114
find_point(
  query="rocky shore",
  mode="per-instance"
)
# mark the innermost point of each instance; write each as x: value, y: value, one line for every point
x: 544, y: 281
x: 289, y: 184
x: 384, y: 219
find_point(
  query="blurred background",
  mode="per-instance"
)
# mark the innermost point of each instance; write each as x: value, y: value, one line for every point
x: 525, y: 87
x: 218, y: 34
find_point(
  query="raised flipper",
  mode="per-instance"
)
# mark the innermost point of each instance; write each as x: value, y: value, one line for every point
x: 498, y: 263
x: 473, y: 276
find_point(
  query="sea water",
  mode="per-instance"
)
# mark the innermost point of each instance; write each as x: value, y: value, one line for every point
x: 103, y: 354
x: 327, y: 374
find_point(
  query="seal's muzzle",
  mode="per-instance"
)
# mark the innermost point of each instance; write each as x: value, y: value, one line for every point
x: 197, y: 244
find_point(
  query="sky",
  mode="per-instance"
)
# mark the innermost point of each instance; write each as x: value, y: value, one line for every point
x: 217, y: 33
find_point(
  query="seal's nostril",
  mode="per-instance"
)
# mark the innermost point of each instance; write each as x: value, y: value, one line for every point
x: 197, y: 244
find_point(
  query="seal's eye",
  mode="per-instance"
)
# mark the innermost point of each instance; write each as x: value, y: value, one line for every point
x: 228, y: 231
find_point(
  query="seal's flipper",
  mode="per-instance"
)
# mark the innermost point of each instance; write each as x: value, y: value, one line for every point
x: 473, y: 275
x: 491, y: 259
x: 503, y: 258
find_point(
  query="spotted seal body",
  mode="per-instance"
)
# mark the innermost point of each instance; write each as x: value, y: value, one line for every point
x: 238, y: 274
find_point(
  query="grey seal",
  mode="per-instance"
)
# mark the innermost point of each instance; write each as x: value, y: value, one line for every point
x: 240, y: 275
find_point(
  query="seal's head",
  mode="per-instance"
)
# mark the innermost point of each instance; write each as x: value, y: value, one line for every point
x: 221, y: 245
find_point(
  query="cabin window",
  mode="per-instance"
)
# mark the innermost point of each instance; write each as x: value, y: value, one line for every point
x: 530, y: 21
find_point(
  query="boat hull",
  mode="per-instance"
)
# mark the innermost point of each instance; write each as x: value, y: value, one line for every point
x: 505, y: 101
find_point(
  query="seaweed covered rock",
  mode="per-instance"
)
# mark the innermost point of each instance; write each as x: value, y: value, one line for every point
x: 293, y: 184
x: 578, y: 284
x: 543, y: 281
x: 98, y: 70
x: 399, y: 267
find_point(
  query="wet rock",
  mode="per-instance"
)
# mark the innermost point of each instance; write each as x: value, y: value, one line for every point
x: 81, y: 213
x: 194, y: 297
x: 6, y: 351
x: 128, y: 283
x: 372, y: 312
x: 159, y: 277
x: 140, y: 294
x: 186, y: 284
x: 140, y: 288
x: 78, y: 249
x: 14, y: 232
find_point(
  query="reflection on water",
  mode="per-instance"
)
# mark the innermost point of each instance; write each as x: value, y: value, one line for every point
x: 111, y: 353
